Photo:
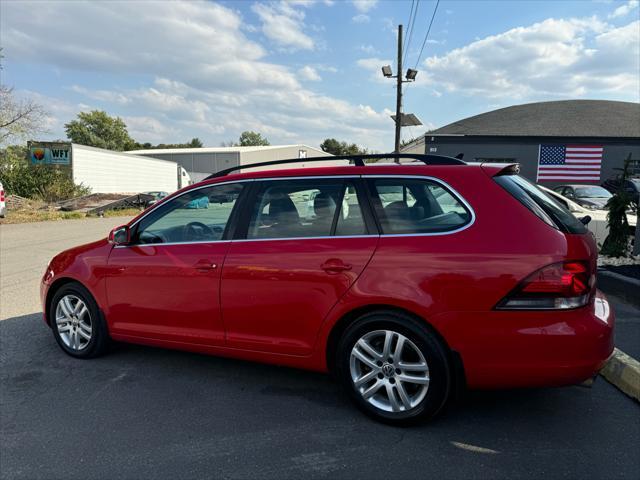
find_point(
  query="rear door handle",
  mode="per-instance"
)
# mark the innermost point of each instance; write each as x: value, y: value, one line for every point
x: 335, y: 266
x: 205, y: 266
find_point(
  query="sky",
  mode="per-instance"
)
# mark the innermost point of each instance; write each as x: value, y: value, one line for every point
x: 302, y: 71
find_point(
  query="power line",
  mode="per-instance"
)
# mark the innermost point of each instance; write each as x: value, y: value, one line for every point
x: 404, y: 46
x: 428, y: 30
x: 410, y: 25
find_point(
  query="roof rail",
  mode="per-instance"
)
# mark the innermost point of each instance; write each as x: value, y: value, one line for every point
x: 358, y: 160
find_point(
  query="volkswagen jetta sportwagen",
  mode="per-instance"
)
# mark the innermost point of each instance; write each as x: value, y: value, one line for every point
x: 405, y: 280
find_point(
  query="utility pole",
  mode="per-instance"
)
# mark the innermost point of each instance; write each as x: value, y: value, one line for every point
x: 399, y: 94
x: 400, y: 119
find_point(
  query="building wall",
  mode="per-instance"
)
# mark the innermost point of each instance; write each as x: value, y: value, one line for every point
x: 105, y: 171
x: 524, y: 150
x: 248, y: 158
x: 200, y: 165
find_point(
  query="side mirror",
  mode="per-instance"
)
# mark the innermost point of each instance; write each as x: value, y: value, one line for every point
x: 120, y: 235
x: 585, y: 220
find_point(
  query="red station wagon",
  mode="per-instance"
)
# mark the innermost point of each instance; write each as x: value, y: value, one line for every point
x: 407, y: 281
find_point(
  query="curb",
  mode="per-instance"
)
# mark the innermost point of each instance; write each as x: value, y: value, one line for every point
x: 623, y: 371
x: 621, y: 286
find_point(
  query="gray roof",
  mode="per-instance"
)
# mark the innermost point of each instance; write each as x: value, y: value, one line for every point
x: 566, y: 118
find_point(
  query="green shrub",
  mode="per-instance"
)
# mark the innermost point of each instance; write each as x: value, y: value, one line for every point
x: 49, y: 183
x: 617, y: 242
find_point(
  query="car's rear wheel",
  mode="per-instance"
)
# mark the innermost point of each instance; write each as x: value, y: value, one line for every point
x: 394, y: 368
x: 76, y: 322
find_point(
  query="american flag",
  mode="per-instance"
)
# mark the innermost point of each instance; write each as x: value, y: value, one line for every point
x: 569, y: 162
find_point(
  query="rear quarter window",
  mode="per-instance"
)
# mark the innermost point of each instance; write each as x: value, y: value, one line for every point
x: 415, y: 206
x: 544, y: 206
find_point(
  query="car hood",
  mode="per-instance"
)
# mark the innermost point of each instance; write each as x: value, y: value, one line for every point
x: 593, y: 202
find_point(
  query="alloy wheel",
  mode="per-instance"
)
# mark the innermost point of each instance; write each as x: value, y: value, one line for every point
x: 73, y: 322
x: 389, y: 371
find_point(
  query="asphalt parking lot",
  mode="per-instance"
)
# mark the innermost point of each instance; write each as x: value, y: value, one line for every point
x: 140, y: 412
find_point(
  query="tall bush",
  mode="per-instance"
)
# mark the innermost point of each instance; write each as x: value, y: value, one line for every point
x: 617, y: 242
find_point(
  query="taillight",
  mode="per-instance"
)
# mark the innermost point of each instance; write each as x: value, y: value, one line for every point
x: 1, y: 195
x: 558, y: 286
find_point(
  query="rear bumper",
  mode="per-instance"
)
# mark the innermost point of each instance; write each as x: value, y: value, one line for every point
x: 504, y: 349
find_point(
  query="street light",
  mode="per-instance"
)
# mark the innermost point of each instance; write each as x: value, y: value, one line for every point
x: 411, y: 74
x: 386, y: 71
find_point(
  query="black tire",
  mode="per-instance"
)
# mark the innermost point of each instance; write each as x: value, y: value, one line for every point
x: 99, y: 341
x: 432, y: 349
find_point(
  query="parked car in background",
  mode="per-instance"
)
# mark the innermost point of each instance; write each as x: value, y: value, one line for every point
x: 598, y: 224
x: 589, y: 196
x: 3, y: 204
x: 440, y: 275
x: 631, y: 185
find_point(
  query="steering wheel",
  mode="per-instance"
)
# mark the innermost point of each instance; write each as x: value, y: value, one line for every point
x: 197, y: 231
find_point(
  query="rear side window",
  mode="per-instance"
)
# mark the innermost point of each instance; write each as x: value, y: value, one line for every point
x: 543, y: 205
x: 305, y: 209
x: 408, y: 205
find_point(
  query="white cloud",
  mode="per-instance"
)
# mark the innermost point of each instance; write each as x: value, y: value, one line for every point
x: 149, y: 128
x: 368, y: 49
x: 553, y: 58
x: 309, y: 73
x: 374, y: 66
x: 361, y: 18
x: 283, y: 25
x: 364, y: 5
x: 183, y: 69
x: 625, y: 9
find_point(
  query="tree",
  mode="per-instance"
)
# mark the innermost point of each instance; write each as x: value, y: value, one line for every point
x: 617, y: 242
x: 97, y: 129
x: 250, y: 139
x: 19, y: 119
x: 194, y: 143
x: 335, y: 147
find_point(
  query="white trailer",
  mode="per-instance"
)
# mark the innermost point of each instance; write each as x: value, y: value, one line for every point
x: 106, y: 171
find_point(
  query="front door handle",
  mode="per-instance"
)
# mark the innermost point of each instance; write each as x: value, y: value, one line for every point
x: 205, y: 266
x: 335, y: 265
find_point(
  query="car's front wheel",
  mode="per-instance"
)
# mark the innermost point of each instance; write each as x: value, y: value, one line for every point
x: 76, y: 322
x: 394, y: 368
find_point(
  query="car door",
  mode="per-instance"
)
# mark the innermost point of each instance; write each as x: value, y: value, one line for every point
x: 165, y: 284
x: 302, y: 244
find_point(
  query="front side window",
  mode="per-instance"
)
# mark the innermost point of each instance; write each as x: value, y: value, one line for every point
x: 406, y: 206
x: 197, y: 216
x: 305, y: 208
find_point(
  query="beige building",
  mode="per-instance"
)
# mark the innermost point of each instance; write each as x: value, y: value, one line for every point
x: 202, y: 162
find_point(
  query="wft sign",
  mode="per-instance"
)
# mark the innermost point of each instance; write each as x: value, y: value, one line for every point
x: 59, y: 155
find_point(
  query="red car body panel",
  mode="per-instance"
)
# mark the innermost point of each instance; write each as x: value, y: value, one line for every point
x: 272, y: 301
x: 150, y: 286
x: 277, y: 302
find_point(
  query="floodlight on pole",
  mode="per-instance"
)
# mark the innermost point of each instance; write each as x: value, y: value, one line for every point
x: 386, y: 71
x: 411, y: 74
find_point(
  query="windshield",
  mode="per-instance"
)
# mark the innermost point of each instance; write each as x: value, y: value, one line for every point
x: 592, y: 192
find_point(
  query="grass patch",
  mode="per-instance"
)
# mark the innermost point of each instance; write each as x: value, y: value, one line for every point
x: 125, y: 212
x: 34, y: 214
